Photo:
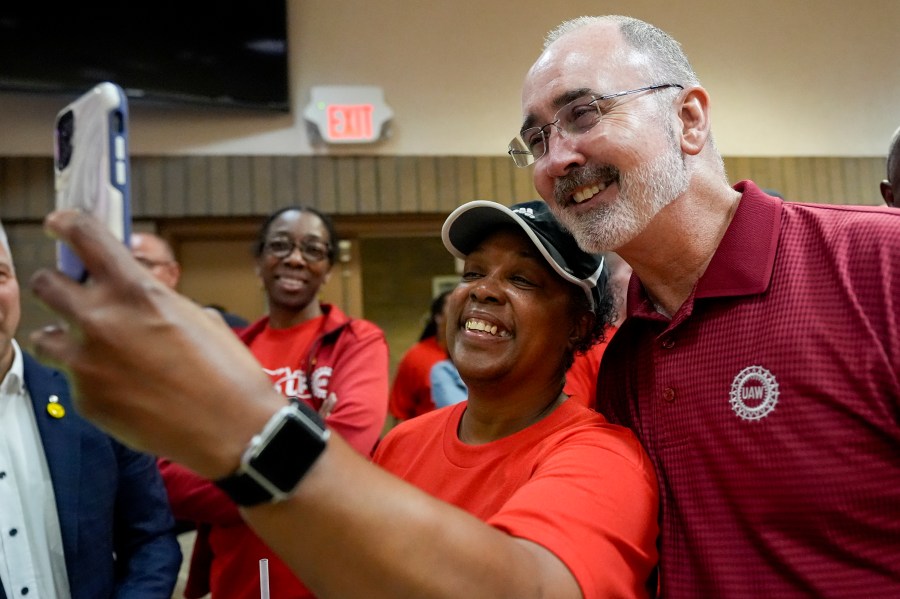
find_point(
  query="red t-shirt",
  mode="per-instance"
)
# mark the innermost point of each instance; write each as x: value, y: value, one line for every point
x: 411, y: 391
x: 769, y: 405
x: 581, y: 378
x: 323, y: 360
x: 237, y: 549
x: 573, y: 483
x: 276, y: 351
x: 355, y: 369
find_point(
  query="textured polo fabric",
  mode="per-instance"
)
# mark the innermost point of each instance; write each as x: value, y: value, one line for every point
x: 769, y: 406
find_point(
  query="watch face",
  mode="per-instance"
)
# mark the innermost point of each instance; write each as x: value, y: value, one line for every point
x: 289, y: 450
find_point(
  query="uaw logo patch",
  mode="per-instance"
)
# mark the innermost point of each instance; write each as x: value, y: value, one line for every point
x: 754, y: 393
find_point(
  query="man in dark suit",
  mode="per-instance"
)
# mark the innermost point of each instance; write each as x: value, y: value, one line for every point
x: 81, y: 515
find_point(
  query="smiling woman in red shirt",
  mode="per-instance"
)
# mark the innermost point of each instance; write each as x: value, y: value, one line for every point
x: 311, y: 351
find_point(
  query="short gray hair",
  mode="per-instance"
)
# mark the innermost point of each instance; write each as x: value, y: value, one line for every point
x: 4, y: 241
x: 668, y: 63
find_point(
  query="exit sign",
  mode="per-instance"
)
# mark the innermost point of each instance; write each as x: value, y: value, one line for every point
x: 348, y: 114
x: 350, y: 122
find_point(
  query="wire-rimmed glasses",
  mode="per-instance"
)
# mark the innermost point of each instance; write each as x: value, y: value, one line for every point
x: 577, y: 117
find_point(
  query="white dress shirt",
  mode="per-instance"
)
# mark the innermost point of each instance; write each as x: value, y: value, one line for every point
x: 32, y: 562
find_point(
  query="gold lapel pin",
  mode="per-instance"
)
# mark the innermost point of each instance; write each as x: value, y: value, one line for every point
x: 54, y: 408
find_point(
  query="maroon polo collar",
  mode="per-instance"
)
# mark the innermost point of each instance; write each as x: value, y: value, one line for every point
x: 743, y: 262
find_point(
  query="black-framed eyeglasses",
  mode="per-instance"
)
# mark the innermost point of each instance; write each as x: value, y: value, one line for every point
x: 577, y: 117
x: 312, y: 250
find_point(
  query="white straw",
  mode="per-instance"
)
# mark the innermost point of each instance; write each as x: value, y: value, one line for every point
x: 263, y: 579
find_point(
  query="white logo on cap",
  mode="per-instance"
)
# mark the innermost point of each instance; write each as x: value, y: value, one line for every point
x: 529, y: 212
x: 754, y: 393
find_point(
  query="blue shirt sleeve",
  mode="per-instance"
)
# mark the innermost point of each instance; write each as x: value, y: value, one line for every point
x: 447, y: 388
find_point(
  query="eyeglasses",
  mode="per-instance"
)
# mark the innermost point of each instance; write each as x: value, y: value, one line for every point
x: 577, y: 117
x: 151, y: 264
x: 312, y: 250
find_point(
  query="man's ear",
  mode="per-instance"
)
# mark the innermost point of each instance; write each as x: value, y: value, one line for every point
x: 887, y: 193
x: 694, y: 117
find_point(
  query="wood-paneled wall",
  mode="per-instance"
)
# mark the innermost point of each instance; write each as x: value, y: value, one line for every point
x: 224, y: 197
x: 224, y: 186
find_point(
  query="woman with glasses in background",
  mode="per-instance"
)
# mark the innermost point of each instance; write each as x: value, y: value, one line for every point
x: 334, y: 363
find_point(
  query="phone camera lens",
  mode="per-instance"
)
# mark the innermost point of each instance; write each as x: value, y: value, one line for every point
x: 65, y: 128
x: 117, y: 122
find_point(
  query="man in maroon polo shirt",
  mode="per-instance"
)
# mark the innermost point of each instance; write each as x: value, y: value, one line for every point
x: 890, y: 187
x: 759, y: 360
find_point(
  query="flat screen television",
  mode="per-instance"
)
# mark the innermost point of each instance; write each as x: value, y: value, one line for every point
x: 205, y: 52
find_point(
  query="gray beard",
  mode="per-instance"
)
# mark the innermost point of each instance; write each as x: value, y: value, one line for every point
x: 643, y: 192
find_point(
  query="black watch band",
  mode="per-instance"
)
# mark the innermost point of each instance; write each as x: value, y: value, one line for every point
x: 278, y: 457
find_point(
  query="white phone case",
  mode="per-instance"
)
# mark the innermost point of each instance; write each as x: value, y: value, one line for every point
x: 91, y: 165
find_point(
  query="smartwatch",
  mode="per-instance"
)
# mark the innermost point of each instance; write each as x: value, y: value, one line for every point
x: 277, y: 458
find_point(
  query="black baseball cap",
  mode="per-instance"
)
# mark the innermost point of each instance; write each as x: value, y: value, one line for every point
x: 470, y: 223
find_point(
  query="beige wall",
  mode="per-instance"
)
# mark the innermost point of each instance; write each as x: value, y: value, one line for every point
x: 396, y: 284
x: 787, y: 77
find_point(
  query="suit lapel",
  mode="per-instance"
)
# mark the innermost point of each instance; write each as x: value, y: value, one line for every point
x: 62, y: 444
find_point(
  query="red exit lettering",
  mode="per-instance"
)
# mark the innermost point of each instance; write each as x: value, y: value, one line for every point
x: 350, y: 121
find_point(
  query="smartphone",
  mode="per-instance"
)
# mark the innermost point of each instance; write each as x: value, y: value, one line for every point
x: 91, y: 166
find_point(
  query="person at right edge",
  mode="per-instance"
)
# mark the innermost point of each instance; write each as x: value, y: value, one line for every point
x: 758, y: 362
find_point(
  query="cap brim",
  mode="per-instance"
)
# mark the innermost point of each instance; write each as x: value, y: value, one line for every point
x: 469, y: 224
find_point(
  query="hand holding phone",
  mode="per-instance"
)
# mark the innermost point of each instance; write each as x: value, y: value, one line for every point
x: 91, y: 164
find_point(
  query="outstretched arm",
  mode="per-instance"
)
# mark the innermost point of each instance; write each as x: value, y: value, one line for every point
x: 148, y: 367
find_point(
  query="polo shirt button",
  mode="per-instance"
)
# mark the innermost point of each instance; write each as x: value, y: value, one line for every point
x: 668, y: 343
x: 2, y: 475
x: 13, y: 532
x: 669, y: 394
x: 24, y: 590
